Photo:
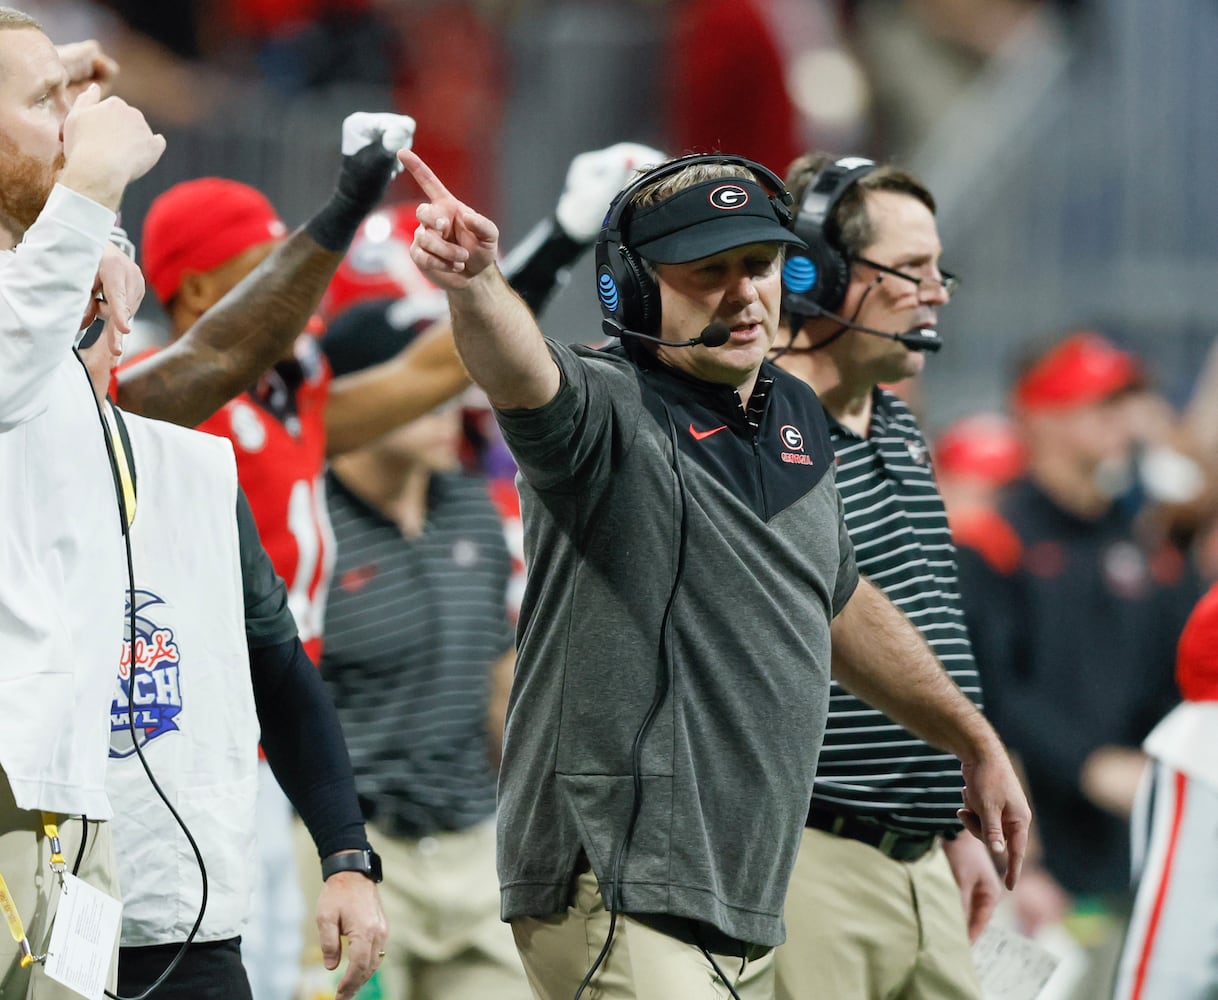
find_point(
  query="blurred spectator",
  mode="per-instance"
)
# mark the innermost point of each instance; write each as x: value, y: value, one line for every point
x: 304, y: 44
x: 167, y: 85
x: 803, y: 87
x: 921, y: 55
x: 1174, y: 485
x: 1074, y: 638
x: 419, y: 659
x: 458, y: 112
x: 974, y: 457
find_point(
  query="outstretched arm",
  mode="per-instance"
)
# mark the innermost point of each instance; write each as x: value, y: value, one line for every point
x: 496, y: 334
x: 235, y: 340
x: 881, y: 657
x: 366, y: 404
x: 255, y: 324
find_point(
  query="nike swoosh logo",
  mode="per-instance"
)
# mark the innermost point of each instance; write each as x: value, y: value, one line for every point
x: 703, y: 435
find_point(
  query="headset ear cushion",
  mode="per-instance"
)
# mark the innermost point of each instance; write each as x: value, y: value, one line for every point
x: 834, y: 278
x: 640, y: 296
x: 814, y: 279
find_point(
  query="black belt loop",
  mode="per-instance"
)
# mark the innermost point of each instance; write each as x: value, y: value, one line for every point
x: 891, y: 843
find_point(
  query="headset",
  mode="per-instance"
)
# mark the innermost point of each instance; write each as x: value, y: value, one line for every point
x: 815, y: 280
x: 629, y: 296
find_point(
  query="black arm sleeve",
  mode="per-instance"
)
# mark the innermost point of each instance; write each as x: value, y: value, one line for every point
x: 362, y: 180
x: 541, y: 263
x: 304, y: 745
x: 268, y: 619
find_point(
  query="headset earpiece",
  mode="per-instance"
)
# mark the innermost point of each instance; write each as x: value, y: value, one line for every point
x: 628, y: 295
x: 816, y: 279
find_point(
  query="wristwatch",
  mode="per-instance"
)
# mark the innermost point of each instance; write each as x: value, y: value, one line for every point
x: 367, y: 862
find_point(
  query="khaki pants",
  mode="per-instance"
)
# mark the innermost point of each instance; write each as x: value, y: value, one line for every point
x: 861, y: 926
x: 642, y: 963
x: 25, y: 864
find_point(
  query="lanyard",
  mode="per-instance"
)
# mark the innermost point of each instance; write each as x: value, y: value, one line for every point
x: 123, y: 462
x: 9, y: 908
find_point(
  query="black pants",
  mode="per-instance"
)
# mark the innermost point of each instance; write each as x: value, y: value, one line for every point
x: 211, y: 970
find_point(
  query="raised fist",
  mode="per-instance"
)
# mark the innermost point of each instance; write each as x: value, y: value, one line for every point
x: 593, y: 179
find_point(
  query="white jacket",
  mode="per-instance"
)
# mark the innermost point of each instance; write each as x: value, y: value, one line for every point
x: 62, y: 561
x: 193, y: 701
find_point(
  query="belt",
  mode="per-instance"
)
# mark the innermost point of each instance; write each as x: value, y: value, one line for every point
x: 701, y: 935
x: 891, y: 843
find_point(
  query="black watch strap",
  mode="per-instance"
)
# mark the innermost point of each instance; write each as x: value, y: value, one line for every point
x: 367, y: 862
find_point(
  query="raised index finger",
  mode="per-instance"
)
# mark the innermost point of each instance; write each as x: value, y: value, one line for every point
x: 424, y: 176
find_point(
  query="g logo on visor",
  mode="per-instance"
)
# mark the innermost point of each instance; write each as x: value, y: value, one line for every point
x: 729, y: 197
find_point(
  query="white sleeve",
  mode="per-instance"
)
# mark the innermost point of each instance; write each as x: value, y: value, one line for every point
x: 45, y: 285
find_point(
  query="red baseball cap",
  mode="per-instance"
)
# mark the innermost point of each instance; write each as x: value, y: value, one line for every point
x: 985, y: 445
x: 1084, y: 368
x: 199, y: 225
x: 1197, y: 651
x: 378, y: 264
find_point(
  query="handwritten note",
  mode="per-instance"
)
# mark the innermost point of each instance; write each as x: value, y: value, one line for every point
x: 1011, y: 966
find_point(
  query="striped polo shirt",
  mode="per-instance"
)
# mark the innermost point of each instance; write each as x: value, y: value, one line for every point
x: 869, y: 765
x: 412, y: 628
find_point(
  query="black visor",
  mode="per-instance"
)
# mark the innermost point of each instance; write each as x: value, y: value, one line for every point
x: 706, y: 219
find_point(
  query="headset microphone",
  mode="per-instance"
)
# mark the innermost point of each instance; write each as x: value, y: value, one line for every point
x: 919, y: 339
x: 715, y: 334
x: 925, y: 339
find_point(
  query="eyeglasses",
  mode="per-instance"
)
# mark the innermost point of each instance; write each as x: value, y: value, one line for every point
x: 948, y: 281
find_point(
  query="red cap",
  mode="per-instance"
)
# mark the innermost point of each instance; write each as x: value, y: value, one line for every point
x: 378, y: 265
x: 199, y: 225
x: 1083, y: 368
x: 985, y: 445
x: 1197, y: 652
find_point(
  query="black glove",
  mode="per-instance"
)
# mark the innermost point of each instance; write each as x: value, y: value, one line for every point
x: 362, y: 181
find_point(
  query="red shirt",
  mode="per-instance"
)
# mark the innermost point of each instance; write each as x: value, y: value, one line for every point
x: 278, y: 434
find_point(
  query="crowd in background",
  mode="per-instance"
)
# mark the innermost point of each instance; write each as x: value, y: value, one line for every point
x: 1065, y: 142
x: 1064, y: 157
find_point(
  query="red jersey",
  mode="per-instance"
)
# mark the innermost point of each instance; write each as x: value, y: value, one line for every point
x: 278, y: 433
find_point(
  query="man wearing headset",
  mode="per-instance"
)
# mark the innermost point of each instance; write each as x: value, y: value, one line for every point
x: 688, y: 564
x: 882, y: 840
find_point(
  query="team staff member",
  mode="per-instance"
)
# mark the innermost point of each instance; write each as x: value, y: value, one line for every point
x: 63, y: 172
x: 206, y: 672
x: 1075, y: 636
x: 687, y: 564
x: 419, y: 657
x: 881, y: 844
